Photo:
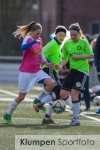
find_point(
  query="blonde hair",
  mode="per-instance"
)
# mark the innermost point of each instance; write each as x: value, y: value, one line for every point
x: 23, y: 30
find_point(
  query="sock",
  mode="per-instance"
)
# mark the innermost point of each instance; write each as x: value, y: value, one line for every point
x: 47, y: 117
x: 48, y: 98
x: 68, y: 101
x: 49, y: 111
x: 43, y: 93
x: 12, y: 107
x: 76, y: 109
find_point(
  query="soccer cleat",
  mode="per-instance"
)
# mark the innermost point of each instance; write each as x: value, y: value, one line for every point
x: 35, y: 102
x: 80, y: 111
x: 87, y: 109
x: 98, y: 111
x: 48, y: 121
x: 7, y: 119
x: 74, y: 122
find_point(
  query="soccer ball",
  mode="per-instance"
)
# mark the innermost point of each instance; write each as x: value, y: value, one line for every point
x: 96, y: 100
x: 59, y: 106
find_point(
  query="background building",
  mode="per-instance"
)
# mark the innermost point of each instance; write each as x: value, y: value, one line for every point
x: 55, y: 12
x: 49, y: 14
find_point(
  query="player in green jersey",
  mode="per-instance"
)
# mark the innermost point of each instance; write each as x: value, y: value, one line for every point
x: 77, y: 51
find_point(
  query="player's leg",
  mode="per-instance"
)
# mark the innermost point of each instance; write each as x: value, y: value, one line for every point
x: 45, y: 92
x: 75, y: 107
x: 26, y: 82
x: 49, y: 84
x: 52, y: 96
x: 53, y: 75
x: 12, y: 107
x: 78, y: 86
x: 48, y: 115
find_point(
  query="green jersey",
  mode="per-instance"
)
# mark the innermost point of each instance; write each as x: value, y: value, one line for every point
x: 52, y: 52
x: 81, y: 47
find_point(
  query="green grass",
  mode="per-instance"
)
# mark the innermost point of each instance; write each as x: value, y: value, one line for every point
x: 28, y: 122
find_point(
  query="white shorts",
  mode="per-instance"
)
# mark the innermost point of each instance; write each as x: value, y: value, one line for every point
x: 29, y: 80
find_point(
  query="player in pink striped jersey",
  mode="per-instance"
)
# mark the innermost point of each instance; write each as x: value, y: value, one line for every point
x: 30, y: 72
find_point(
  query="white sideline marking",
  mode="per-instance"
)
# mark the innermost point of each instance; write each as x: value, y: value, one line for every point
x: 10, y: 99
x: 14, y: 94
x: 89, y: 117
x: 84, y: 115
x: 32, y: 119
x: 7, y: 92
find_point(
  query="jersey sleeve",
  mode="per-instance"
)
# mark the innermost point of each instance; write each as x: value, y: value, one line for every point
x: 27, y: 43
x: 88, y: 49
x: 65, y: 52
x: 48, y: 50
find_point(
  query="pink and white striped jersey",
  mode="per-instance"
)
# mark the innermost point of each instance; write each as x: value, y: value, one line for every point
x: 31, y: 57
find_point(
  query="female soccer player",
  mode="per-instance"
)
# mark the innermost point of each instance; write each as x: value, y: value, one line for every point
x: 52, y: 52
x: 77, y: 51
x: 30, y: 72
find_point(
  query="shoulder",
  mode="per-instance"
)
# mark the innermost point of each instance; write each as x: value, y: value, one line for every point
x: 50, y: 44
x: 68, y: 42
x: 27, y: 38
x: 83, y: 40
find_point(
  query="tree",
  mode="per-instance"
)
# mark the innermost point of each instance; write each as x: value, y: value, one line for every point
x: 13, y: 13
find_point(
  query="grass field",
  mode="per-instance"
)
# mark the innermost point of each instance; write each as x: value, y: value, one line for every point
x: 28, y: 122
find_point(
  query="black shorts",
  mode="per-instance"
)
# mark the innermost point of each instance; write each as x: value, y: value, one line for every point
x: 75, y: 80
x: 52, y: 74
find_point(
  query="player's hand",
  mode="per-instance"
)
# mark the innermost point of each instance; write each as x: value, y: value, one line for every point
x: 60, y: 67
x: 75, y: 56
x: 50, y: 65
x: 39, y: 41
x: 56, y: 66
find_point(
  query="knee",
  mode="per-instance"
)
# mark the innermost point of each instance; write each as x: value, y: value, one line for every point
x: 74, y: 96
x: 63, y: 94
x: 50, y: 84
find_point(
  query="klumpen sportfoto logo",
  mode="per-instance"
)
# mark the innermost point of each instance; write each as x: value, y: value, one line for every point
x: 56, y: 142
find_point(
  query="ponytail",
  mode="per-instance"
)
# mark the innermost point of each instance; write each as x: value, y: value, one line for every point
x: 22, y: 31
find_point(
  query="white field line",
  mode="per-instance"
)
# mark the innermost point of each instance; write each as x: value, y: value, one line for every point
x: 10, y: 99
x: 32, y: 119
x: 89, y: 117
x: 83, y: 115
x: 86, y: 116
x: 14, y: 94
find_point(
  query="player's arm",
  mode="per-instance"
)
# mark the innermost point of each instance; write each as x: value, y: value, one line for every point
x: 88, y: 52
x: 29, y: 43
x: 64, y: 57
x: 63, y: 63
x: 82, y: 56
x: 44, y: 61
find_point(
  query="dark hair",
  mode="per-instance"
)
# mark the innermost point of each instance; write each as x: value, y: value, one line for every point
x: 22, y: 31
x: 76, y: 27
x: 60, y: 29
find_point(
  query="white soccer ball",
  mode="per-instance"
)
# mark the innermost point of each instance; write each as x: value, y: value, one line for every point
x: 59, y: 106
x: 96, y: 100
